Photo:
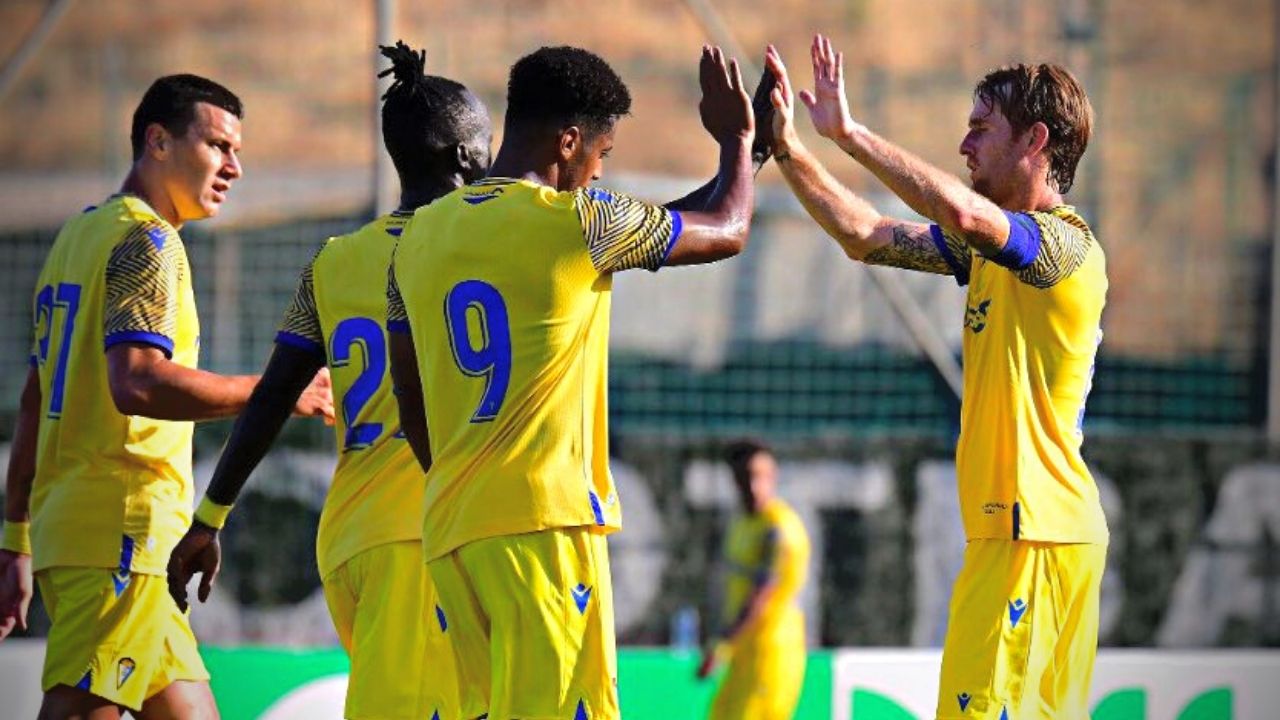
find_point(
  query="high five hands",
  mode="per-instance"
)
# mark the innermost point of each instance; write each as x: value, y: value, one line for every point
x: 827, y: 105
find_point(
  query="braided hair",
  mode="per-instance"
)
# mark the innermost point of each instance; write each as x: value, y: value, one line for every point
x: 424, y: 116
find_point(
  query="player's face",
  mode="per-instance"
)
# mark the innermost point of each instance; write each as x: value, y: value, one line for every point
x: 763, y: 470
x: 991, y: 152
x: 587, y: 164
x: 203, y: 163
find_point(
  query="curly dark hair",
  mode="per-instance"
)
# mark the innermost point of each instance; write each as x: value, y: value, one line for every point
x: 171, y: 103
x: 1047, y: 93
x: 565, y: 86
x: 423, y: 115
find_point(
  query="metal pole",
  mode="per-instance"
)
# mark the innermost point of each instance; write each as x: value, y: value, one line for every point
x: 384, y: 181
x: 1273, y: 354
x: 716, y: 29
x: 43, y: 29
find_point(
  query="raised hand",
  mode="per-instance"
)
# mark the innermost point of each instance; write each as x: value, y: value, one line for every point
x: 783, y: 118
x: 828, y: 107
x: 15, y: 591
x: 317, y: 399
x: 197, y: 552
x: 725, y: 108
x: 762, y: 109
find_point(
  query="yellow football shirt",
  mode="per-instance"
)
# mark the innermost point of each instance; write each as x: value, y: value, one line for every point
x: 768, y: 546
x: 339, y: 311
x: 110, y: 490
x: 505, y: 286
x: 1030, y: 339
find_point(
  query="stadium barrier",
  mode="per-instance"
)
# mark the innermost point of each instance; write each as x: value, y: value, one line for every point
x: 659, y: 684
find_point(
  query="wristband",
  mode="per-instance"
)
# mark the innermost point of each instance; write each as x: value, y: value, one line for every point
x: 17, y: 537
x: 212, y: 514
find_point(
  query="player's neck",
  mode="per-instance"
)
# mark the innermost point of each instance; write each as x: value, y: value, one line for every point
x: 413, y: 198
x: 521, y: 161
x: 1035, y: 196
x: 148, y: 189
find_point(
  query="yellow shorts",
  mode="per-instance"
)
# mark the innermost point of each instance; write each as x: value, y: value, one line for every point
x: 1023, y: 631
x: 764, y: 676
x: 119, y: 636
x: 401, y: 664
x: 530, y: 620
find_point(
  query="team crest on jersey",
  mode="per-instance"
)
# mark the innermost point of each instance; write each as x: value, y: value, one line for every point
x: 124, y: 669
x: 975, y: 318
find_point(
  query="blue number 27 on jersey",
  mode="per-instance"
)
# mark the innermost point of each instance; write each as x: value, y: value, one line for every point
x: 489, y: 354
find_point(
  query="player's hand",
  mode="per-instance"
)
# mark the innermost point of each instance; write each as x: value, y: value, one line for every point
x: 197, y: 552
x: 828, y: 106
x: 762, y: 112
x: 725, y: 107
x: 15, y: 591
x: 783, y: 118
x: 317, y: 399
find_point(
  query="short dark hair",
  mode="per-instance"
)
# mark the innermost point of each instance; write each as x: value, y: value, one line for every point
x: 565, y: 86
x: 1047, y: 93
x: 425, y: 114
x: 171, y: 102
x: 738, y: 455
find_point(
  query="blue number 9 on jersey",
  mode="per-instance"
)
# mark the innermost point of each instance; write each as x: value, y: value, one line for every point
x: 487, y: 356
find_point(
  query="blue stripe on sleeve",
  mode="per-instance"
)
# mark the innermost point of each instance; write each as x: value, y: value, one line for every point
x: 677, y: 225
x: 398, y: 326
x: 1023, y: 245
x: 156, y: 340
x: 300, y: 342
x: 960, y: 272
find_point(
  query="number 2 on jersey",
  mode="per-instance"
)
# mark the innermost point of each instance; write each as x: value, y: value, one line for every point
x: 489, y: 354
x: 366, y: 334
x: 67, y: 297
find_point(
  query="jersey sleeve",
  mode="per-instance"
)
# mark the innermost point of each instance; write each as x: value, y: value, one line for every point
x: 955, y: 251
x: 1062, y: 248
x: 397, y: 316
x: 143, y: 281
x: 301, y: 325
x: 622, y: 232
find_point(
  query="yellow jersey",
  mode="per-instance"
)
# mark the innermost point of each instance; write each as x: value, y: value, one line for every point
x: 111, y: 490
x: 505, y: 286
x: 766, y: 547
x: 1030, y: 339
x: 339, y: 312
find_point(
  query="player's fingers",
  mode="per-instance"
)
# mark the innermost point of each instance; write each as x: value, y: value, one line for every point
x: 7, y: 624
x: 839, y: 68
x: 735, y: 78
x: 23, y: 607
x: 808, y: 99
x: 773, y: 61
x: 705, y: 68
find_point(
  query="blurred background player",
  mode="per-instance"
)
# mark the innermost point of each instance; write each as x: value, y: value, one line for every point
x: 762, y: 633
x: 499, y: 312
x: 369, y: 547
x: 102, y: 459
x: 1037, y: 537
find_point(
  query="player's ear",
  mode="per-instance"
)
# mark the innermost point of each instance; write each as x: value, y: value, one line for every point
x: 157, y: 140
x: 1037, y: 138
x: 571, y: 141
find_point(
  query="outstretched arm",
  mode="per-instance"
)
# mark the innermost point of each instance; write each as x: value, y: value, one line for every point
x: 291, y: 372
x: 761, y: 147
x: 935, y: 194
x: 719, y: 230
x: 861, y: 231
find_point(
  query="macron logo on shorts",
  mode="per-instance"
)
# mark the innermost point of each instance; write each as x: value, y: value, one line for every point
x: 581, y: 596
x: 1016, y: 610
x: 964, y: 699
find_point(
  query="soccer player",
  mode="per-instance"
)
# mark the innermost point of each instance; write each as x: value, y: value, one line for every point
x: 499, y: 312
x: 1023, y: 626
x: 369, y: 546
x: 99, y: 485
x: 767, y: 554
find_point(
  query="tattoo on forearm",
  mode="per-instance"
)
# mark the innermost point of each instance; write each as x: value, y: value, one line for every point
x: 912, y: 250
